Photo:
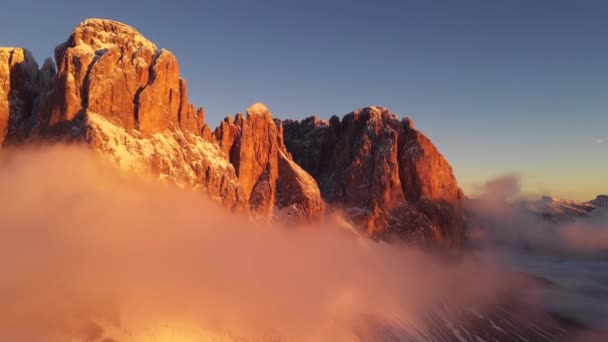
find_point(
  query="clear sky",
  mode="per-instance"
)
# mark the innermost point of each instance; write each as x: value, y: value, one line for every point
x: 499, y: 86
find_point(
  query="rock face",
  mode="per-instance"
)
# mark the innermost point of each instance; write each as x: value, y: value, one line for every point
x: 21, y: 85
x: 254, y: 145
x: 109, y: 68
x: 174, y: 155
x: 383, y: 173
x: 117, y: 92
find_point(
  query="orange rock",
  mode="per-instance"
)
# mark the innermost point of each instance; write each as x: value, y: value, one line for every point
x: 251, y: 143
x: 254, y: 145
x: 190, y: 119
x: 385, y: 175
x: 109, y: 68
x: 158, y: 103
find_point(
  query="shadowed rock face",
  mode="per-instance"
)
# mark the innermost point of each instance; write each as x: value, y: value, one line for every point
x: 385, y: 174
x: 21, y: 86
x: 117, y: 92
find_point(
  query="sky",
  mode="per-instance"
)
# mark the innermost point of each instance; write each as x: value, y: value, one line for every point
x: 500, y: 87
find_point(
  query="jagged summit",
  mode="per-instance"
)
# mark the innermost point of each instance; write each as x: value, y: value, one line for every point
x: 110, y: 68
x: 98, y: 33
x: 259, y: 109
x: 386, y: 175
x: 117, y: 92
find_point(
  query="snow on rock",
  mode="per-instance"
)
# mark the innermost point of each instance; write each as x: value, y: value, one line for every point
x: 182, y: 158
x: 558, y: 209
x: 601, y: 201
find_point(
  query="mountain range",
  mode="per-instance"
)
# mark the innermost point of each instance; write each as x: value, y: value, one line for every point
x: 112, y: 89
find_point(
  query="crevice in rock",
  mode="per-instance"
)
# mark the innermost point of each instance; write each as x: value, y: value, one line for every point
x: 84, y: 90
x: 181, y: 104
x: 10, y: 59
x: 151, y: 77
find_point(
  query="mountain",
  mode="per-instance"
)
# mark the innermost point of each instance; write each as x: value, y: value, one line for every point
x: 114, y: 90
x: 555, y: 209
x: 383, y: 172
x: 601, y: 201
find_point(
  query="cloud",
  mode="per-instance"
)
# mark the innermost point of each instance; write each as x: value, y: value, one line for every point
x: 88, y: 252
x: 599, y: 141
x: 587, y: 236
x: 569, y: 254
x: 501, y: 213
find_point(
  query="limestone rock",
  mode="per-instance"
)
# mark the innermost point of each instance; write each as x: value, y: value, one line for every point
x: 384, y: 174
x: 158, y: 103
x: 178, y: 157
x: 109, y: 68
x: 298, y: 197
x: 116, y: 91
x: 254, y: 145
x: 190, y: 119
x: 19, y: 89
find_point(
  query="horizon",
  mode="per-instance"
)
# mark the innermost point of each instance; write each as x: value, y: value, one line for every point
x: 498, y: 89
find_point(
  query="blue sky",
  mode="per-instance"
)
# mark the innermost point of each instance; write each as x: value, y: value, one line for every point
x: 500, y: 86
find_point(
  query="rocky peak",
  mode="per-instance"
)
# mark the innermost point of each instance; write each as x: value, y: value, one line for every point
x: 118, y: 93
x: 254, y: 145
x: 109, y: 68
x: 383, y: 173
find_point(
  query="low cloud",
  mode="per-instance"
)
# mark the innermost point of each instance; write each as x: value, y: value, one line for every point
x: 570, y: 255
x: 88, y: 252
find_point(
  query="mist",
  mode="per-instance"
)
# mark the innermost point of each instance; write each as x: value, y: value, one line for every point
x: 90, y: 253
x: 569, y: 256
x: 499, y: 214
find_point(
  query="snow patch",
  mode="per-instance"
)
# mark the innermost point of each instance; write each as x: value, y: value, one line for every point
x: 174, y: 155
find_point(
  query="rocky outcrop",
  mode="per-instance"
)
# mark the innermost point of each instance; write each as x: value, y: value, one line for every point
x: 109, y: 68
x: 254, y: 145
x: 298, y: 198
x: 382, y: 172
x: 21, y: 86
